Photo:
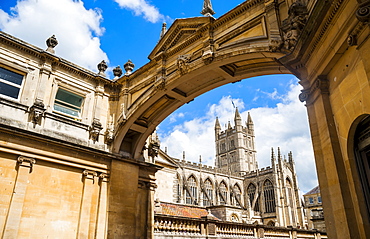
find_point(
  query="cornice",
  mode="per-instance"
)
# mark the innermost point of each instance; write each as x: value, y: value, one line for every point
x: 55, y: 61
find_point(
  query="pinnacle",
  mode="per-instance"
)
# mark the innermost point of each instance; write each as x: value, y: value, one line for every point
x: 207, y: 10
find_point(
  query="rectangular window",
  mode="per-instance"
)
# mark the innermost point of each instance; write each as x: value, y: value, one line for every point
x: 310, y: 200
x: 319, y: 199
x: 68, y: 103
x: 10, y: 83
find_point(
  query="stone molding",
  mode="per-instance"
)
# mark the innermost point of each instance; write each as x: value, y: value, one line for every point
x: 89, y: 174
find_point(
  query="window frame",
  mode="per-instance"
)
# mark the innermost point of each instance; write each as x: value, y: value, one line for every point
x: 70, y: 91
x: 19, y: 72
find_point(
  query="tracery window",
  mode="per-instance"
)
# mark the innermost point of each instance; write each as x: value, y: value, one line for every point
x: 251, y: 191
x: 192, y: 186
x: 223, y: 193
x: 269, y: 195
x: 207, y: 201
x: 290, y: 197
x: 237, y: 195
x: 178, y: 189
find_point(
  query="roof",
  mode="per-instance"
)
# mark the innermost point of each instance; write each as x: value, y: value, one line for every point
x: 171, y: 209
x: 313, y: 191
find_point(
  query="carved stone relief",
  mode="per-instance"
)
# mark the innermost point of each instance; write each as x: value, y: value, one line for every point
x: 183, y: 64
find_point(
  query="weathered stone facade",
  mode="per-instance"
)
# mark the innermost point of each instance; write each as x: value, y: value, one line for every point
x: 324, y: 43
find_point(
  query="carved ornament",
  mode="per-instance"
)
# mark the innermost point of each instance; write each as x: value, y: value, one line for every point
x: 363, y: 12
x: 95, y: 129
x: 109, y: 134
x: 102, y: 67
x: 293, y: 25
x: 89, y: 174
x: 51, y: 42
x: 208, y: 55
x: 275, y: 45
x: 26, y: 161
x: 37, y: 110
x: 183, y: 64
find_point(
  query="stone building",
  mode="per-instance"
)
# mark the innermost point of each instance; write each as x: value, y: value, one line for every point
x: 314, y: 209
x: 235, y: 190
x: 84, y: 155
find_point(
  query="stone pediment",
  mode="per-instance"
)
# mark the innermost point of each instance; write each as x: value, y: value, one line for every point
x: 165, y: 160
x: 179, y: 33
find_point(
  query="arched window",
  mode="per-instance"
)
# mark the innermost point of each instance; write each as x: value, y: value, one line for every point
x: 269, y: 195
x: 193, y: 190
x: 290, y: 196
x: 251, y: 191
x: 237, y: 195
x: 223, y: 193
x: 178, y: 189
x: 207, y: 201
x: 362, y: 159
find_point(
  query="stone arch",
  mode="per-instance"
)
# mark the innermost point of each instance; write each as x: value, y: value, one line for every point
x: 271, y: 223
x: 199, y: 54
x: 358, y: 154
x: 234, y: 218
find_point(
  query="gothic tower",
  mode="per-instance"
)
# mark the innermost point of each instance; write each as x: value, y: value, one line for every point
x: 235, y: 146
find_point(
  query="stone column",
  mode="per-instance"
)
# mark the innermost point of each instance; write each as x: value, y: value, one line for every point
x: 13, y: 218
x: 85, y: 230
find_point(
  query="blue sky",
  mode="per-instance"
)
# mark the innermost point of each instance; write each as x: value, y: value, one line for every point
x: 117, y: 30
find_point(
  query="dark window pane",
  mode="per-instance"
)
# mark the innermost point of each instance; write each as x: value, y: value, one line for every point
x: 9, y: 90
x: 69, y: 98
x: 11, y: 76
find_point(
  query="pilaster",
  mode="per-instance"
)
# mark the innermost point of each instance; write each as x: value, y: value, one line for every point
x: 24, y: 168
x: 88, y: 209
x: 330, y: 166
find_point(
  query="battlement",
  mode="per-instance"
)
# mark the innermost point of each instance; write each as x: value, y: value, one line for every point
x: 261, y: 171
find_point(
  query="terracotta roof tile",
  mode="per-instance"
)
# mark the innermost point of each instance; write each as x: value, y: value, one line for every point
x: 182, y: 210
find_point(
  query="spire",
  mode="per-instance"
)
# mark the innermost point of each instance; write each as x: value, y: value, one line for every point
x: 250, y: 124
x: 164, y: 29
x: 273, y: 159
x: 217, y: 124
x: 207, y: 10
x: 229, y: 126
x: 249, y: 120
x: 238, y: 119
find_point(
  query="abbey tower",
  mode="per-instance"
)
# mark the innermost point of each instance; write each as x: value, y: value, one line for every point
x: 235, y: 146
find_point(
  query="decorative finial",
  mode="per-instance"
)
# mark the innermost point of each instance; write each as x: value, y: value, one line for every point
x: 164, y: 29
x: 117, y: 72
x: 102, y: 66
x: 200, y: 159
x: 51, y: 42
x: 207, y: 10
x: 129, y: 66
x: 183, y: 155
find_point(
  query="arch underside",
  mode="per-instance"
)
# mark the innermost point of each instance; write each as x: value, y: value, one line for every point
x: 156, y: 104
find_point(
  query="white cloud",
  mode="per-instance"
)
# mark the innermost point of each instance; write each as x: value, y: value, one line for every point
x: 76, y: 28
x: 142, y: 7
x: 284, y: 126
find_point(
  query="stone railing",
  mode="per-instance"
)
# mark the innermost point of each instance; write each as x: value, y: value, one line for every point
x: 174, y: 227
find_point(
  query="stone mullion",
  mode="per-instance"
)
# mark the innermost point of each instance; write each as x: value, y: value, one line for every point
x: 14, y: 215
x: 102, y: 207
x: 84, y: 229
